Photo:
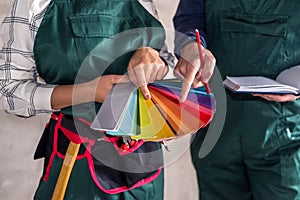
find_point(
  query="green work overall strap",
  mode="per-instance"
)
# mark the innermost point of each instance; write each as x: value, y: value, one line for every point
x: 79, y: 40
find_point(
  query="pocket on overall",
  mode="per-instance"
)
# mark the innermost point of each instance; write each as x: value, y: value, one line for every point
x: 290, y: 167
x: 114, y: 172
x: 290, y: 151
x: 290, y: 158
x: 102, y: 45
x: 255, y: 40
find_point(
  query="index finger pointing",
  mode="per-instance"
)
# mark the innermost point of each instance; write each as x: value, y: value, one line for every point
x: 186, y: 86
x: 186, y: 83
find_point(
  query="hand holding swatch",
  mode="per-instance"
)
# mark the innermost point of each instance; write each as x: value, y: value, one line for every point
x: 125, y: 112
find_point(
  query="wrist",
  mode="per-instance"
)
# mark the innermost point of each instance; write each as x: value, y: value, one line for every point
x: 85, y: 92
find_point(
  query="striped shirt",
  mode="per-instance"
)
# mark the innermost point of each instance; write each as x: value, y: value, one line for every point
x: 23, y: 91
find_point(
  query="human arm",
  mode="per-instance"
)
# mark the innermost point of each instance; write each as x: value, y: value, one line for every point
x: 190, y: 15
x: 278, y: 97
x: 22, y: 91
x: 22, y: 94
x: 95, y: 90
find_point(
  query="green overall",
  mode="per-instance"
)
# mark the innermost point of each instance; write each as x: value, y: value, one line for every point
x: 258, y: 153
x: 69, y: 32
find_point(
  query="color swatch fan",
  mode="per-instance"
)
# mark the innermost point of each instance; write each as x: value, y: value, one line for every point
x: 125, y: 111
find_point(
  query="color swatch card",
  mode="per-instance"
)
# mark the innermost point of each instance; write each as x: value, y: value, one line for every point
x: 125, y: 112
x: 129, y: 119
x: 114, y: 108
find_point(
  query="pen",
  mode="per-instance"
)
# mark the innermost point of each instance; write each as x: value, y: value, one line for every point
x: 201, y: 57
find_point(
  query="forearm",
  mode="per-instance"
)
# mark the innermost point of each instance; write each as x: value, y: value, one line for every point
x: 190, y: 15
x: 21, y: 94
x: 68, y: 95
x: 25, y: 98
x: 94, y: 90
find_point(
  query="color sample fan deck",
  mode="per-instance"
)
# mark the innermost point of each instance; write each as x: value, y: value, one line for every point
x: 125, y: 112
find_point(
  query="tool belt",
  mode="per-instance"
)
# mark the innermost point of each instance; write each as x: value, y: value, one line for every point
x: 113, y: 169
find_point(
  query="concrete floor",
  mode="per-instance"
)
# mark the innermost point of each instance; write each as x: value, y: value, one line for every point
x: 19, y: 173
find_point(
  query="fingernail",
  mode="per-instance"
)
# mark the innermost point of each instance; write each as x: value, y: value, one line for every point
x: 204, y: 80
x: 147, y: 96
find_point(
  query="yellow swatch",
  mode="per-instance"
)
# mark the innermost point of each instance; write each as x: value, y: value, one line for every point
x: 153, y: 126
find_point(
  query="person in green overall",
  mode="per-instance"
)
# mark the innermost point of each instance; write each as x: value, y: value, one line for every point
x: 258, y: 153
x: 81, y: 49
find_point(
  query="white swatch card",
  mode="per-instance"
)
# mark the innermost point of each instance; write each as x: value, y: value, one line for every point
x: 113, y: 108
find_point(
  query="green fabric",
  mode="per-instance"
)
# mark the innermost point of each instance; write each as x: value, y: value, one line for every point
x: 69, y: 32
x: 82, y: 187
x: 258, y: 153
x: 72, y: 30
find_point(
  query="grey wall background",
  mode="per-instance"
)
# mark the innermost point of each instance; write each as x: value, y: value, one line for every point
x: 19, y: 173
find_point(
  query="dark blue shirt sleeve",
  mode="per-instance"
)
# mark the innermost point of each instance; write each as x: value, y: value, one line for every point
x: 190, y: 15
